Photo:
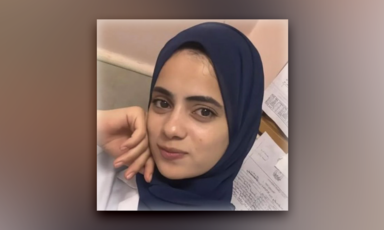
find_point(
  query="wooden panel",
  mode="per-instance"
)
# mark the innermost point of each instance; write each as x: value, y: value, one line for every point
x: 269, y: 126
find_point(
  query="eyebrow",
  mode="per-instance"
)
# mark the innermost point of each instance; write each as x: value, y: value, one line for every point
x: 163, y: 91
x: 206, y: 99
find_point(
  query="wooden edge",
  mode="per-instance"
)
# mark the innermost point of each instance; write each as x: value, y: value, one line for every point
x: 269, y: 126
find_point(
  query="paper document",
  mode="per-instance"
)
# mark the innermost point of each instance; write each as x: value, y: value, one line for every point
x: 259, y: 184
x: 282, y: 165
x: 275, y: 103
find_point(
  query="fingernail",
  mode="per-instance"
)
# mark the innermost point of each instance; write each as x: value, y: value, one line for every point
x: 118, y: 164
x: 150, y: 178
x: 129, y: 176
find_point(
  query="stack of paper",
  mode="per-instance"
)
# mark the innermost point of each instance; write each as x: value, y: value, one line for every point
x: 275, y: 103
x: 262, y: 183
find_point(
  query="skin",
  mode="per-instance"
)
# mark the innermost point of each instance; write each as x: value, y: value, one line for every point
x: 178, y: 119
x: 122, y: 134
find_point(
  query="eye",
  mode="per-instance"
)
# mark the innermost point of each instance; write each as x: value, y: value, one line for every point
x: 206, y: 113
x: 161, y: 103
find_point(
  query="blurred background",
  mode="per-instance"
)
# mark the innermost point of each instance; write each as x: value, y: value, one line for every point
x: 127, y: 51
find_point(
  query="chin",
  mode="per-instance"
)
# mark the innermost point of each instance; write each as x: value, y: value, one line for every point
x: 171, y: 172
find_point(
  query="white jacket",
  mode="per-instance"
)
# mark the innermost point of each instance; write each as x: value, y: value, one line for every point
x: 114, y: 191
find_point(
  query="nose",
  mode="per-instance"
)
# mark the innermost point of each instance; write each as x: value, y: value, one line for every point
x: 174, y: 127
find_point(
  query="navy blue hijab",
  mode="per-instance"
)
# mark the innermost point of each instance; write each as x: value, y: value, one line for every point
x: 239, y: 71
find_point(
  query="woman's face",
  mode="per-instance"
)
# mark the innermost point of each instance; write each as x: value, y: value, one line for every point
x: 187, y: 126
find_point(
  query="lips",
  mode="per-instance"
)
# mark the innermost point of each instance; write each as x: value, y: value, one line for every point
x: 171, y: 153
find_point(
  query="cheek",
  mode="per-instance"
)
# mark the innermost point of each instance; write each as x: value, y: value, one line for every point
x: 212, y: 141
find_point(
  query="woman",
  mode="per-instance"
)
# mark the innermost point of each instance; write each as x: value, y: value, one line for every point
x: 203, y: 118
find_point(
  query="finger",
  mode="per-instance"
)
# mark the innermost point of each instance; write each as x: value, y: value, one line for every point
x: 137, y: 165
x: 113, y: 147
x: 130, y: 156
x: 137, y: 119
x: 148, y: 169
x: 137, y: 124
x: 137, y: 136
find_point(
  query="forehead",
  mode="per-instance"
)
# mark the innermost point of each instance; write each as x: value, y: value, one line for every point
x: 186, y: 73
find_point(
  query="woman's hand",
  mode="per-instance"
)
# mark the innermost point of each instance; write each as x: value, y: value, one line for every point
x: 122, y: 133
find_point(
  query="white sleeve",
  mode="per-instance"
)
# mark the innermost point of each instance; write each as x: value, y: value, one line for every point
x: 105, y: 177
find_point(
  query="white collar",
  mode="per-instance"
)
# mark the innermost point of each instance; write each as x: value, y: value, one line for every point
x: 131, y: 199
x: 131, y: 182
